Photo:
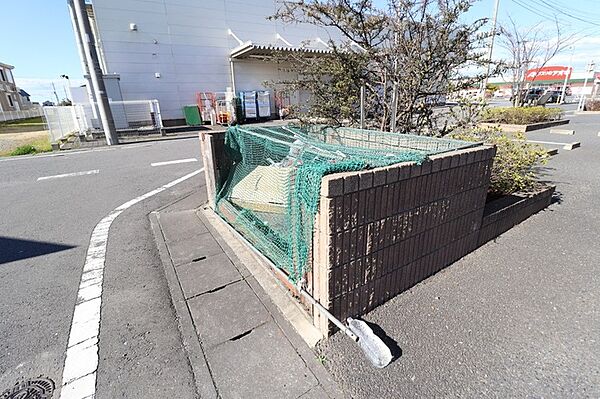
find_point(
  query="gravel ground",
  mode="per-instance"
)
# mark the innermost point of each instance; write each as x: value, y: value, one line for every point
x: 519, y: 317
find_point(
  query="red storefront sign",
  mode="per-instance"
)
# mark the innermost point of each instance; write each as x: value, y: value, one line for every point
x: 548, y: 73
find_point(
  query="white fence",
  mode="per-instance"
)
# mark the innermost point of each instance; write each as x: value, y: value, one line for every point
x: 130, y: 117
x: 24, y: 114
x: 61, y: 121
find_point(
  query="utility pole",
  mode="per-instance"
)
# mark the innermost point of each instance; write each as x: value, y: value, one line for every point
x: 362, y: 106
x: 589, y: 68
x: 489, y: 58
x: 55, y: 95
x: 91, y: 56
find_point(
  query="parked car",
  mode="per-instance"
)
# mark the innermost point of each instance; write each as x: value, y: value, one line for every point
x: 554, y: 96
x: 530, y: 96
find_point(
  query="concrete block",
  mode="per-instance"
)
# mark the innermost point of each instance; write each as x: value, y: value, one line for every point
x: 446, y: 162
x: 436, y: 164
x: 365, y: 180
x: 350, y: 183
x: 332, y: 186
x: 392, y: 174
x: 455, y: 160
x: 416, y: 170
x: 572, y: 146
x: 261, y: 364
x: 379, y: 177
x: 206, y: 275
x: 224, y: 314
x: 404, y: 172
x: 471, y: 156
x: 185, y: 251
x: 563, y: 131
x: 426, y: 167
x: 552, y: 151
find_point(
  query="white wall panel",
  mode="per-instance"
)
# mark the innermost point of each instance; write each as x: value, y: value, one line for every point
x: 192, y: 48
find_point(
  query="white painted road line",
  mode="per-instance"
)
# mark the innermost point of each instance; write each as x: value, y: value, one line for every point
x: 174, y: 162
x: 87, y: 172
x: 81, y: 362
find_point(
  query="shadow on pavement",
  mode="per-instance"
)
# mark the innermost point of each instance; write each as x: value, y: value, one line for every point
x: 12, y: 249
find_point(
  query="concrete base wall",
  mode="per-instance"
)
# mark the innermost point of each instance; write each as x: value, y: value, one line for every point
x: 504, y: 213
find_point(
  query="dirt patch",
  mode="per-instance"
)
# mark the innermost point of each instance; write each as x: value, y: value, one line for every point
x: 10, y: 141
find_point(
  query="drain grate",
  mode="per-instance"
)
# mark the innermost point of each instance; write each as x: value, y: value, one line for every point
x: 37, y: 388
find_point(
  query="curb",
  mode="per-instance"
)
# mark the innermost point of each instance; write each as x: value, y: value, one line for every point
x: 205, y: 386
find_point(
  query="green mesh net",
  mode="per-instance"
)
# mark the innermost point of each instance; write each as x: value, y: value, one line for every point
x: 271, y: 193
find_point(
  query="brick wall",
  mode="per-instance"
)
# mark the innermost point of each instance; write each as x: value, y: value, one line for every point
x: 381, y: 231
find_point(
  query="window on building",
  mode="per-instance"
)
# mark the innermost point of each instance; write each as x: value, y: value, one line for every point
x: 2, y: 76
x: 9, y: 76
x: 10, y: 100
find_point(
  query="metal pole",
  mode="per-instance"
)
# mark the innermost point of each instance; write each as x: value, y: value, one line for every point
x: 564, y: 88
x: 55, y: 95
x: 362, y: 106
x: 89, y: 47
x: 232, y: 71
x: 394, y: 112
x: 489, y: 58
x: 84, y: 64
x: 589, y: 68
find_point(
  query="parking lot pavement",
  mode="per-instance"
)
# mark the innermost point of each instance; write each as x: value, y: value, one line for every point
x: 516, y: 318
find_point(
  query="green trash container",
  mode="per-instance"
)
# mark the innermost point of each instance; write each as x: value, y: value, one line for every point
x: 192, y: 115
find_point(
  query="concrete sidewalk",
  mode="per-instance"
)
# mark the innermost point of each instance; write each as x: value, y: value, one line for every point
x: 238, y: 343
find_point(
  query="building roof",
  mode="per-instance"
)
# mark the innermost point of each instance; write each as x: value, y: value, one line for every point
x: 6, y: 65
x: 24, y: 93
x: 251, y: 50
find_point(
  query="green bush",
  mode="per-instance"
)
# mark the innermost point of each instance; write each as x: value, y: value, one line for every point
x: 24, y: 150
x: 516, y: 164
x: 520, y: 116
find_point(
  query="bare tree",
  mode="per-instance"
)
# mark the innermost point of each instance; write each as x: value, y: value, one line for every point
x: 526, y: 46
x: 408, y: 56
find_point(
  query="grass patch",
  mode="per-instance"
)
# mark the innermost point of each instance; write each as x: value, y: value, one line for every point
x: 23, y: 150
x: 37, y: 120
x: 34, y: 147
x: 520, y: 116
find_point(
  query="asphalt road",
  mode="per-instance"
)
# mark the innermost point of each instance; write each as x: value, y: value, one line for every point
x: 519, y: 317
x: 45, y: 228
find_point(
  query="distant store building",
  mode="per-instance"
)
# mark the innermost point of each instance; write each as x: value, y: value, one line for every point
x: 171, y: 50
x: 553, y: 77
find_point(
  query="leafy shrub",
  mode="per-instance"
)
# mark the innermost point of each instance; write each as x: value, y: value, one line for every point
x: 520, y: 116
x: 516, y: 164
x: 24, y: 150
x: 592, y: 105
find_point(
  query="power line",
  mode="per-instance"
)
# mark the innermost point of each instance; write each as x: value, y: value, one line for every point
x: 578, y: 12
x: 537, y: 12
x: 558, y: 11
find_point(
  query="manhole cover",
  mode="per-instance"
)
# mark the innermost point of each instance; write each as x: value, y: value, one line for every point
x: 37, y: 388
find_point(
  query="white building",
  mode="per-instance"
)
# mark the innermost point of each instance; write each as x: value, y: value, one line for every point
x: 172, y: 49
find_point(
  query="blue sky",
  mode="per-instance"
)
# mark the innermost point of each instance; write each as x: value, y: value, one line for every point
x: 38, y: 40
